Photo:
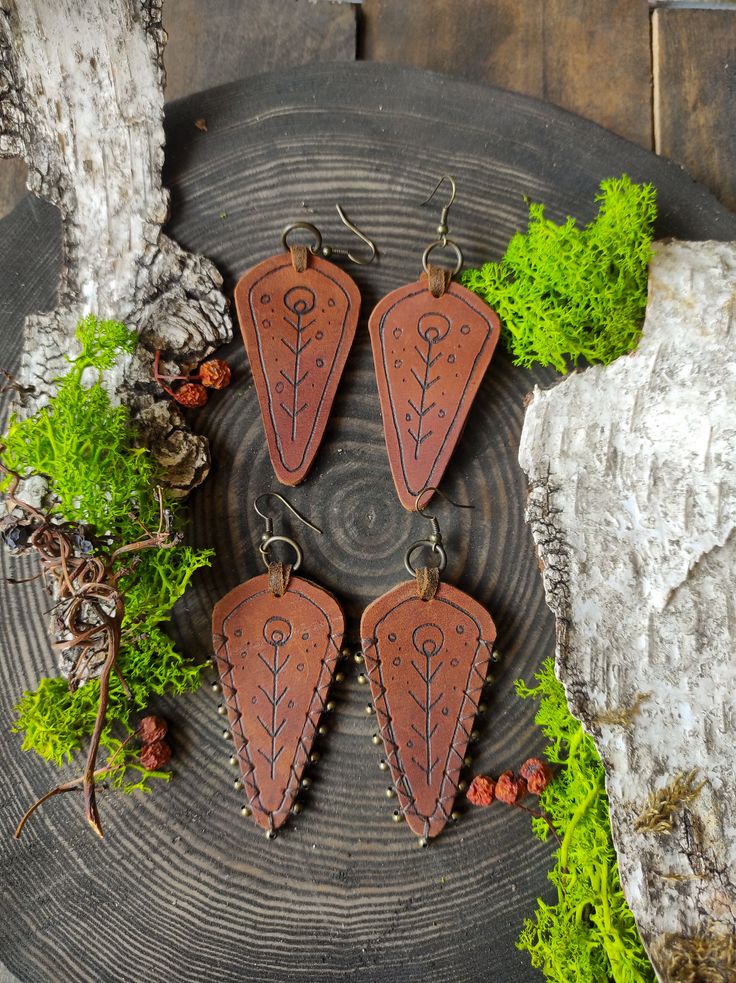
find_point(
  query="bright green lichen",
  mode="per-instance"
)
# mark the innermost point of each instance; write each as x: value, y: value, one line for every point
x: 589, y: 934
x: 98, y: 476
x: 564, y: 293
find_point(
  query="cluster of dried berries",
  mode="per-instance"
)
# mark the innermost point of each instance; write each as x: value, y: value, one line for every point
x: 534, y: 777
x: 192, y: 389
x: 155, y: 752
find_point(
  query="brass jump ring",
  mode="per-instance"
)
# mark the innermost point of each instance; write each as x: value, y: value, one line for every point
x: 435, y: 547
x: 265, y: 546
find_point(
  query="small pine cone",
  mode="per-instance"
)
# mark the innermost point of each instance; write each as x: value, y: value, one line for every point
x: 482, y: 791
x: 155, y: 755
x: 191, y: 394
x: 215, y: 374
x: 510, y: 789
x: 152, y: 729
x: 538, y: 775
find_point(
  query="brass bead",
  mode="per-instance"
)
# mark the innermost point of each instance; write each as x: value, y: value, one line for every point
x: 237, y: 785
x: 358, y: 657
x: 390, y: 792
x: 339, y: 677
x: 221, y: 709
x: 215, y: 687
x: 474, y: 735
x: 232, y: 761
x: 496, y: 656
x: 330, y: 706
x: 362, y: 679
x: 369, y: 708
x: 246, y: 811
x: 455, y: 816
x: 376, y: 738
x: 383, y: 765
x: 296, y: 808
x: 398, y: 816
x: 467, y: 760
x: 489, y: 679
x: 482, y: 707
x: 422, y: 842
x: 462, y: 786
x: 306, y: 782
x: 314, y: 757
x: 345, y: 653
x: 270, y: 834
x: 226, y: 735
x: 323, y: 729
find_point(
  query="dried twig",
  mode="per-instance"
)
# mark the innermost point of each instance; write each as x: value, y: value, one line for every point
x: 89, y: 613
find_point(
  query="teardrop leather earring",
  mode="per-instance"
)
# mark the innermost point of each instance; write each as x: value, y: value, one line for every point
x: 298, y: 314
x: 432, y: 342
x: 426, y: 647
x: 277, y: 640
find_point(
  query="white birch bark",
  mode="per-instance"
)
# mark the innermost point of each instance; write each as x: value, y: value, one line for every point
x: 632, y: 473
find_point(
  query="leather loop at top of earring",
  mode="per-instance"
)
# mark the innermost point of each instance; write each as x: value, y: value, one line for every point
x: 299, y: 258
x: 279, y: 575
x: 428, y: 580
x: 438, y: 279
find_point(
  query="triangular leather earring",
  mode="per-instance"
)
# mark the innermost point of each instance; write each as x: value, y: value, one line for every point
x: 277, y: 641
x: 432, y: 342
x: 298, y: 314
x: 426, y: 647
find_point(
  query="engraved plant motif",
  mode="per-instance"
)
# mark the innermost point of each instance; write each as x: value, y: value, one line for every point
x: 276, y: 632
x: 428, y: 641
x: 432, y: 328
x: 300, y: 301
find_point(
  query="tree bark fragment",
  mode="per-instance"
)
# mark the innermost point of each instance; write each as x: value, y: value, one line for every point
x: 632, y: 506
x: 81, y: 87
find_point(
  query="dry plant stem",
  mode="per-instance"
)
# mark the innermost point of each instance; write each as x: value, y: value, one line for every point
x: 71, y: 786
x: 86, y: 585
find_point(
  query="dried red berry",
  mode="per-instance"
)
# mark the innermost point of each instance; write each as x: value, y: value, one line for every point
x: 510, y: 789
x: 538, y: 775
x: 152, y: 729
x: 155, y: 755
x: 191, y: 394
x: 215, y: 374
x: 482, y: 791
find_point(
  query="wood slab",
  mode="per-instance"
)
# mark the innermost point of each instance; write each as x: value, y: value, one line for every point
x: 183, y: 887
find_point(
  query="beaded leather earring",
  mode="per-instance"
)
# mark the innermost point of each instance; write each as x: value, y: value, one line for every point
x: 298, y: 314
x: 432, y: 342
x: 277, y: 641
x: 426, y: 647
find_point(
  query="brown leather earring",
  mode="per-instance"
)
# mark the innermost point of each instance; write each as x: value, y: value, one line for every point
x: 277, y: 640
x: 426, y: 647
x: 432, y: 342
x: 298, y: 314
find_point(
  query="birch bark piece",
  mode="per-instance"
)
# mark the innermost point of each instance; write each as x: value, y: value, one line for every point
x: 82, y: 85
x: 632, y: 507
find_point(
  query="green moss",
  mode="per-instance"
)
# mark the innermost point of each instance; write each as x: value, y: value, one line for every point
x: 589, y: 934
x: 564, y: 293
x: 98, y: 476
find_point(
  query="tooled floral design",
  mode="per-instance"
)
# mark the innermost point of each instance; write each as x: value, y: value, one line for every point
x: 277, y: 632
x: 428, y: 641
x: 432, y: 328
x: 300, y: 301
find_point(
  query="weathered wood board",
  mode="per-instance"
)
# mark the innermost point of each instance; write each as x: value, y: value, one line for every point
x: 183, y: 886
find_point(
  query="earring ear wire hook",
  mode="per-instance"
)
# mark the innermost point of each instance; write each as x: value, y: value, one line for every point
x: 328, y: 251
x: 443, y: 241
x: 289, y: 506
x: 422, y: 509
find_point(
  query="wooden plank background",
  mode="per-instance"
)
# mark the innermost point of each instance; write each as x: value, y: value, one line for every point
x: 659, y: 72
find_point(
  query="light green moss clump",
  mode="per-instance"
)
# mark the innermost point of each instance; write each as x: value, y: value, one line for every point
x: 564, y: 293
x: 589, y: 934
x: 98, y: 476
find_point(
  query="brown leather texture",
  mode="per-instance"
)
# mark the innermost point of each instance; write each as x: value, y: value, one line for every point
x: 276, y: 658
x: 297, y: 328
x: 430, y: 354
x: 426, y: 662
